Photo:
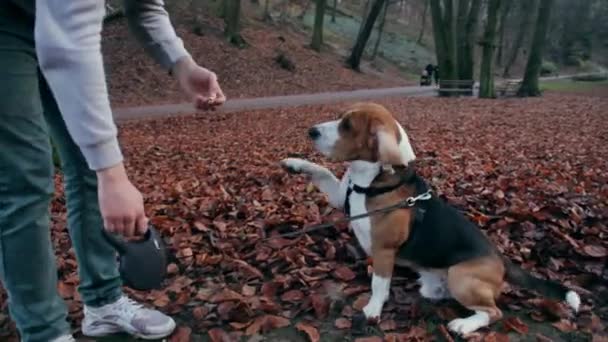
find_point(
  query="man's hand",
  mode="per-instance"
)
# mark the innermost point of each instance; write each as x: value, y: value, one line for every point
x: 199, y: 84
x: 121, y: 204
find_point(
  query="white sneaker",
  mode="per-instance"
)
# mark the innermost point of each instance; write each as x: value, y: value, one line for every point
x: 125, y: 315
x: 64, y: 338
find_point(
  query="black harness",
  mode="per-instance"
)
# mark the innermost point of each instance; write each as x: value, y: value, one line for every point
x: 406, y: 178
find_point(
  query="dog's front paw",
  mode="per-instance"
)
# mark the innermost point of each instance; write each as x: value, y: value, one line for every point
x: 372, y: 311
x: 295, y: 165
x: 465, y: 326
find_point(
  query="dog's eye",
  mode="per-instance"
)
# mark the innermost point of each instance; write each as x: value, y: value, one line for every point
x: 346, y: 125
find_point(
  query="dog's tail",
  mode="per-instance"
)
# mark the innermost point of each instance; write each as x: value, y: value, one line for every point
x: 516, y: 275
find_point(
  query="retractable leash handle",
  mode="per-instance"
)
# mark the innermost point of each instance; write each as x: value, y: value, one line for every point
x: 142, y: 263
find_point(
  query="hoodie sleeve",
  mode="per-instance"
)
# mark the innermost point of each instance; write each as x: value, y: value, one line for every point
x: 68, y: 46
x: 150, y: 24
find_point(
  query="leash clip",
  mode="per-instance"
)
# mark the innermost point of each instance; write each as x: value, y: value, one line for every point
x: 411, y: 201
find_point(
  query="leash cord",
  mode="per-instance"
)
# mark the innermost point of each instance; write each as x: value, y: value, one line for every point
x: 407, y: 203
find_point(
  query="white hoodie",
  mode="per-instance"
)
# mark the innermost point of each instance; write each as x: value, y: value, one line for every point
x: 68, y: 46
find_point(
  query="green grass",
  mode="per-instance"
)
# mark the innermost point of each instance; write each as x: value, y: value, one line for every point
x: 573, y: 86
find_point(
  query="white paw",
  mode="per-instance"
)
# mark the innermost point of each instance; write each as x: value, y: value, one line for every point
x: 464, y: 326
x: 296, y: 165
x: 373, y: 310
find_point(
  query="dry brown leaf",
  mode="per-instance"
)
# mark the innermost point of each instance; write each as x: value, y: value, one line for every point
x: 199, y: 312
x: 225, y: 295
x: 266, y: 323
x: 311, y: 332
x: 219, y: 335
x: 361, y: 302
x: 515, y: 324
x: 565, y: 326
x: 595, y: 251
x: 181, y: 334
x: 292, y: 296
x: 344, y: 273
x: 321, y: 305
x: 342, y: 323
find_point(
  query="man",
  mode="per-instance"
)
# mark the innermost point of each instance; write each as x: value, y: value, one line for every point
x: 52, y: 83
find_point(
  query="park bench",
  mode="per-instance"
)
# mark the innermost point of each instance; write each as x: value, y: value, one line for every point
x: 507, y: 88
x: 456, y: 87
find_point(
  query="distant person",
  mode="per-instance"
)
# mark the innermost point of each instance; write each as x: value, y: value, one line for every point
x: 425, y: 79
x: 53, y: 84
x: 429, y: 69
x: 436, y: 74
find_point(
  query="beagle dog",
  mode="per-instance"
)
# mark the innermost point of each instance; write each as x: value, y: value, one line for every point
x: 452, y: 255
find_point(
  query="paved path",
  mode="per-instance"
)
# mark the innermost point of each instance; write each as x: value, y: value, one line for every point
x: 236, y: 105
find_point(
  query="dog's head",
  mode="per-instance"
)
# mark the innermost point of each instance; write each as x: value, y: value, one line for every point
x: 364, y: 131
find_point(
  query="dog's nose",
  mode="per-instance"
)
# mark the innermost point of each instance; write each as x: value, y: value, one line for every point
x: 314, y: 133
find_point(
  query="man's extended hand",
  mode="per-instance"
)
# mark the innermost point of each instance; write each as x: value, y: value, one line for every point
x: 199, y: 84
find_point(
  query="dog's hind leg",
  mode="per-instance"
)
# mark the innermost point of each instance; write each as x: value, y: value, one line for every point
x: 321, y: 177
x: 476, y: 284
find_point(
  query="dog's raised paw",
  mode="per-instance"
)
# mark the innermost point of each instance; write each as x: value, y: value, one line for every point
x: 293, y: 165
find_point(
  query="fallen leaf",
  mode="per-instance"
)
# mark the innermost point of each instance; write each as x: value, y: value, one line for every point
x: 172, y: 268
x: 344, y: 273
x: 342, y: 323
x: 311, y: 332
x: 199, y: 312
x: 368, y: 339
x: 181, y: 334
x: 388, y: 325
x: 292, y: 296
x: 515, y: 324
x: 219, y: 335
x: 248, y: 291
x: 225, y: 295
x: 361, y: 302
x: 321, y: 305
x: 565, y: 326
x: 266, y: 323
x: 494, y: 336
x: 595, y: 251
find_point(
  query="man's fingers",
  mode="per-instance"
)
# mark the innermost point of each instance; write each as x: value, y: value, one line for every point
x: 119, y: 227
x: 129, y: 223
x: 109, y: 226
x: 141, y: 225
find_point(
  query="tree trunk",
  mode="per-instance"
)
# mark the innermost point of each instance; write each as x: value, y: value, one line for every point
x: 467, y: 29
x: 380, y: 29
x: 444, y: 32
x: 529, y: 86
x: 334, y: 10
x: 364, y: 16
x: 355, y: 57
x: 528, y: 11
x: 506, y: 8
x: 424, y: 15
x: 486, y: 74
x: 232, y: 17
x: 266, y: 10
x: 317, y: 34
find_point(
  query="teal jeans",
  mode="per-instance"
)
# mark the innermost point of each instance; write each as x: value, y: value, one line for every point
x: 29, y: 117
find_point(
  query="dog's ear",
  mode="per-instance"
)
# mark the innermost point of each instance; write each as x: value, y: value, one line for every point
x: 384, y: 141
